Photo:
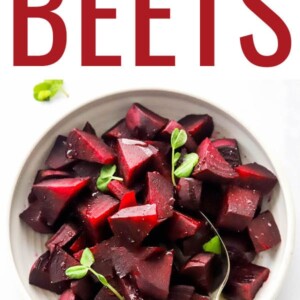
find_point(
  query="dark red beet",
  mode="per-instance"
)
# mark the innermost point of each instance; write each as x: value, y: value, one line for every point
x: 68, y: 295
x: 129, y: 290
x: 238, y: 208
x: 143, y: 123
x: 198, y: 126
x: 85, y: 288
x: 255, y: 176
x: 118, y: 131
x: 212, y: 166
x: 264, y: 232
x: 189, y: 194
x: 163, y: 147
x: 57, y: 158
x: 79, y: 243
x: 199, y: 297
x: 50, y: 174
x: 160, y: 192
x: 181, y: 292
x: 134, y: 156
x: 88, y: 147
x: 180, y: 226
x: 229, y: 149
x: 55, y: 195
x: 63, y: 236
x: 245, y: 281
x: 133, y: 224
x: 106, y: 294
x: 89, y: 128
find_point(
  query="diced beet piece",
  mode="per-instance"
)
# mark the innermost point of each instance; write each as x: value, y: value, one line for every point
x: 212, y: 166
x: 229, y: 149
x: 39, y: 276
x: 85, y: 288
x: 143, y: 123
x: 166, y: 132
x: 68, y: 295
x: 133, y: 224
x: 160, y: 192
x: 94, y: 212
x: 79, y: 243
x: 89, y: 128
x: 88, y: 147
x: 63, y: 236
x: 163, y: 147
x: 255, y: 176
x: 245, y: 281
x: 264, y: 232
x: 55, y: 194
x: 134, y: 156
x: 57, y: 158
x: 238, y: 208
x: 128, y: 200
x: 118, y: 131
x: 198, y: 126
x: 33, y: 217
x: 129, y: 289
x: 50, y: 174
x: 180, y: 226
x: 181, y: 292
x: 199, y: 297
x: 153, y: 276
x: 189, y: 194
x: 106, y: 294
x: 200, y: 270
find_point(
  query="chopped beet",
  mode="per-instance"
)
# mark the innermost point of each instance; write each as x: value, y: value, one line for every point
x: 79, y: 243
x: 229, y: 149
x: 129, y: 289
x: 85, y: 288
x: 88, y: 147
x: 181, y: 292
x: 118, y: 131
x: 133, y: 224
x: 189, y: 194
x: 199, y: 297
x: 245, y: 281
x: 180, y: 226
x: 238, y: 208
x: 105, y: 293
x: 89, y: 128
x: 255, y: 176
x: 264, y: 232
x: 57, y: 158
x: 68, y: 295
x: 55, y: 194
x: 63, y: 236
x: 198, y: 126
x: 163, y: 147
x: 50, y: 174
x: 212, y: 166
x: 160, y: 192
x: 134, y: 156
x: 143, y: 123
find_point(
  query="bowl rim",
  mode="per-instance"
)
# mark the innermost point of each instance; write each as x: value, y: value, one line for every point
x: 284, y: 186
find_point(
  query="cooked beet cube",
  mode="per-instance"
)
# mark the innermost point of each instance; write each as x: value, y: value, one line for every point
x: 57, y: 158
x: 68, y: 295
x: 85, y: 288
x: 180, y: 226
x: 129, y: 289
x: 89, y: 128
x: 229, y: 149
x: 55, y: 195
x: 255, y: 176
x: 50, y: 174
x: 199, y: 297
x: 238, y: 208
x: 88, y: 147
x: 264, y: 232
x: 118, y: 131
x: 200, y: 270
x: 133, y: 224
x: 153, y: 276
x: 160, y: 192
x: 134, y: 156
x: 94, y: 211
x: 181, y: 292
x: 245, y: 281
x: 106, y: 294
x: 189, y: 194
x: 212, y: 166
x: 163, y: 147
x: 198, y: 126
x: 79, y: 243
x: 143, y: 123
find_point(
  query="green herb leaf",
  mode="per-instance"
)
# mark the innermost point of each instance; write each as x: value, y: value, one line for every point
x: 178, y: 138
x: 87, y: 258
x: 213, y: 246
x: 46, y: 90
x: 186, y: 168
x: 177, y: 156
x: 102, y: 279
x: 77, y: 272
x: 106, y: 176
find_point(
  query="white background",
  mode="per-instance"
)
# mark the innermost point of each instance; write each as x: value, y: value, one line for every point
x: 267, y: 100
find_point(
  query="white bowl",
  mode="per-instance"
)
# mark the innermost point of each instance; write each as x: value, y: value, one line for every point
x: 26, y: 245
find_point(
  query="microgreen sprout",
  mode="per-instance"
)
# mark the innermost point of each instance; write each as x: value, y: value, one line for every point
x: 213, y: 245
x: 106, y: 176
x: 47, y: 89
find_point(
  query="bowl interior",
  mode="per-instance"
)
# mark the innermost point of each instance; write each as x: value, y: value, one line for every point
x: 27, y: 245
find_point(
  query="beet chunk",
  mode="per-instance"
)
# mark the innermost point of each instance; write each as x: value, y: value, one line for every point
x: 129, y: 289
x: 198, y: 126
x: 118, y: 131
x: 245, y: 281
x: 163, y: 147
x: 50, y: 174
x: 85, y: 288
x: 55, y: 194
x: 89, y: 128
x: 181, y: 292
x: 134, y: 156
x: 88, y: 147
x: 57, y: 158
x: 255, y: 176
x: 189, y: 194
x: 79, y: 243
x: 160, y: 192
x: 143, y: 123
x: 105, y: 293
x: 133, y: 224
x: 238, y: 208
x: 264, y: 232
x: 212, y: 166
x: 68, y: 295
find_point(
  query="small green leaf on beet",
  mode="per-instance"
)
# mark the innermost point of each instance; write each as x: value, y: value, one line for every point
x: 106, y: 176
x: 178, y: 138
x: 87, y: 258
x: 77, y: 272
x: 186, y: 168
x: 213, y: 246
